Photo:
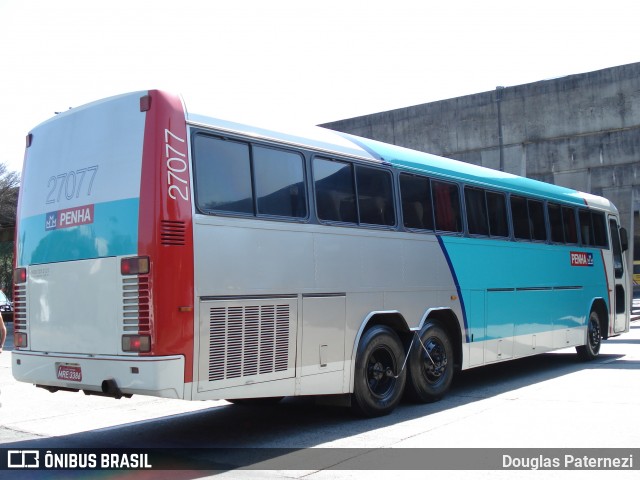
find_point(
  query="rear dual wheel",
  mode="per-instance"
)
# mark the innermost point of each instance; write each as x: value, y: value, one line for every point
x: 430, y: 364
x: 379, y: 379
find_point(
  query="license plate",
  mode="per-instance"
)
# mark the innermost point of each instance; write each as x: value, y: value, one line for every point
x: 69, y: 372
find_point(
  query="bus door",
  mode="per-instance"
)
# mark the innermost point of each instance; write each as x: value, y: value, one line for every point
x: 617, y: 274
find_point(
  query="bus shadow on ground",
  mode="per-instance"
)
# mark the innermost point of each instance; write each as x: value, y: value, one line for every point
x: 299, y: 423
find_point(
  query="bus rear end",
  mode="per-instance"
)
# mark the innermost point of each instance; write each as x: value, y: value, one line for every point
x: 104, y: 263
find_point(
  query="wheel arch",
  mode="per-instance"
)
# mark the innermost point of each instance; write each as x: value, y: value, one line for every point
x: 393, y: 319
x: 390, y: 318
x: 449, y: 321
x: 600, y: 307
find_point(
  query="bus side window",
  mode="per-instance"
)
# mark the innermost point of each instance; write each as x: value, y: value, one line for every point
x: 586, y: 229
x: 477, y: 218
x: 279, y: 182
x: 618, y: 263
x: 520, y: 216
x: 446, y: 201
x: 536, y: 220
x: 599, y: 229
x: 497, y: 209
x: 569, y: 225
x: 555, y: 221
x: 417, y: 208
x: 375, y: 196
x: 222, y: 175
x: 335, y: 190
x: 528, y: 219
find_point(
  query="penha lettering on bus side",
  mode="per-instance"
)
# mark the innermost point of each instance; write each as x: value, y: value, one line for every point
x: 70, y: 217
x: 581, y: 259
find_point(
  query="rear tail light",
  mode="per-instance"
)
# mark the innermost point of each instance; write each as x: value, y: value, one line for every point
x: 145, y: 103
x: 134, y: 266
x: 20, y: 340
x: 136, y: 343
x: 19, y: 275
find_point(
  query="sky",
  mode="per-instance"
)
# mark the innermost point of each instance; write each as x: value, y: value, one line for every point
x: 286, y: 62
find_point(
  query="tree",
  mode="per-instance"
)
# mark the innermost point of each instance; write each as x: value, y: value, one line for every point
x: 9, y: 187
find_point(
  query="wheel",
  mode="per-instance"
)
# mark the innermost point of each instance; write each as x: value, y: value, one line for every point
x: 591, y: 349
x: 430, y: 365
x: 255, y: 402
x: 378, y: 382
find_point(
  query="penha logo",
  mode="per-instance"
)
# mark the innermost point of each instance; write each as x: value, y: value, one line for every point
x: 581, y: 259
x: 70, y: 217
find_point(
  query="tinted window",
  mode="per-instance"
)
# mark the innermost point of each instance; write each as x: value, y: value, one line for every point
x: 222, y: 175
x: 520, y: 214
x: 569, y: 224
x: 375, y: 197
x: 555, y: 221
x: 536, y: 220
x: 417, y: 210
x: 446, y: 202
x: 586, y: 230
x: 497, y: 209
x: 599, y: 229
x: 528, y: 219
x: 335, y: 191
x: 477, y: 220
x: 279, y: 182
x: 618, y: 264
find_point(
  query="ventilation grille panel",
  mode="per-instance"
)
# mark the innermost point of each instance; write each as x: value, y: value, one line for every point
x: 172, y: 233
x: 248, y: 340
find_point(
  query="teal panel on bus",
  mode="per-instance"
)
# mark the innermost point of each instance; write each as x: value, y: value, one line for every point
x: 420, y: 162
x: 91, y: 231
x: 528, y: 288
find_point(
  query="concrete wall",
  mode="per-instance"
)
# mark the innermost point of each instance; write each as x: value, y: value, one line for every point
x: 581, y: 131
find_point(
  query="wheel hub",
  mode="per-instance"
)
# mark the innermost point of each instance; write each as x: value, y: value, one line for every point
x: 436, y: 360
x: 377, y: 371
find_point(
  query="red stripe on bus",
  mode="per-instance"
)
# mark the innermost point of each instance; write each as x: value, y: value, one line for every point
x: 165, y: 229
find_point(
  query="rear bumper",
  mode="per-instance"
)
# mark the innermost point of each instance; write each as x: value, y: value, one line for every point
x: 154, y: 376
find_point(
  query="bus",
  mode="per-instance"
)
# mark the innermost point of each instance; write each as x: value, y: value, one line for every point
x: 166, y: 253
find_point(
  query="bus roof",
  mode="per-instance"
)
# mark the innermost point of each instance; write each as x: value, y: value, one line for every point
x: 333, y: 142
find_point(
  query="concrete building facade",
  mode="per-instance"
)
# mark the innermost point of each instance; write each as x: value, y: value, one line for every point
x: 581, y: 131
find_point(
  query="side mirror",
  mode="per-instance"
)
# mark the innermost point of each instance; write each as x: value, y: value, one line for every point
x: 624, y: 239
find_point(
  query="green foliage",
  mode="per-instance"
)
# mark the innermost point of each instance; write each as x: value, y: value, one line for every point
x: 9, y: 187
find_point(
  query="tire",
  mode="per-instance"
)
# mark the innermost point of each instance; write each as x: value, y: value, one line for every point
x: 430, y: 376
x: 380, y: 355
x: 591, y: 349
